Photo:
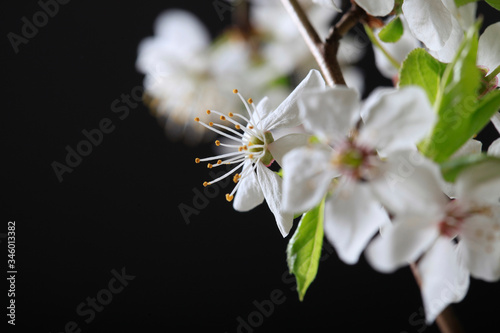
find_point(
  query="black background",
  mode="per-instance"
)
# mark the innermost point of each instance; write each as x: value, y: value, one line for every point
x: 119, y: 207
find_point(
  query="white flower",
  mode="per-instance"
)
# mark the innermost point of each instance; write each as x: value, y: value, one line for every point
x: 283, y: 47
x: 426, y: 222
x: 394, y: 119
x: 376, y: 8
x: 254, y: 148
x: 186, y: 73
x: 440, y: 25
x: 330, y: 4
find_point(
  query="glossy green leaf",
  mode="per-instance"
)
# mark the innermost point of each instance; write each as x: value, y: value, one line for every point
x: 452, y: 168
x: 304, y: 248
x: 456, y: 102
x: 494, y: 3
x: 422, y: 69
x: 392, y: 31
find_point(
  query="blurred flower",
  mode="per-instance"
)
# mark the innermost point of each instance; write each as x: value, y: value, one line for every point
x: 428, y: 223
x: 186, y: 73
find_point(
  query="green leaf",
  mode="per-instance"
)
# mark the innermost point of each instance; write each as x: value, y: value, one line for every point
x: 456, y: 102
x: 494, y: 3
x: 392, y: 31
x: 422, y: 69
x: 304, y: 248
x: 463, y: 2
x: 452, y: 168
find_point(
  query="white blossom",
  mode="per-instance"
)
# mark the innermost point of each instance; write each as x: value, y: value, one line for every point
x: 394, y: 120
x: 254, y: 148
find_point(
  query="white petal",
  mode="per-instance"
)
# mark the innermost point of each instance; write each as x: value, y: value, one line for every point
x: 330, y: 112
x: 397, y: 119
x: 444, y: 279
x: 471, y: 146
x: 494, y: 148
x: 271, y: 185
x: 402, y: 243
x: 480, y: 183
x: 352, y: 218
x: 376, y: 8
x: 488, y: 53
x: 286, y: 143
x: 429, y: 20
x: 479, y: 245
x: 410, y: 182
x: 287, y: 113
x: 183, y: 29
x: 495, y: 119
x: 249, y: 194
x: 328, y: 4
x: 307, y: 175
x: 451, y: 45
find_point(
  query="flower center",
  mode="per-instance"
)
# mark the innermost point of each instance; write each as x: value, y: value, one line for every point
x: 248, y: 146
x: 456, y: 214
x: 355, y: 161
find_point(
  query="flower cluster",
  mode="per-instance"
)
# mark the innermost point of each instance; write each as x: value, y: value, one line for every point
x: 398, y: 176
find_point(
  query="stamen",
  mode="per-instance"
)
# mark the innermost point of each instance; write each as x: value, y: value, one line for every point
x: 222, y: 118
x: 250, y: 101
x: 220, y: 132
x: 197, y: 160
x: 229, y: 197
x: 219, y: 161
x: 209, y: 165
x: 208, y: 111
x: 230, y: 114
x: 217, y: 143
x: 205, y: 184
x: 235, y: 91
x: 196, y: 119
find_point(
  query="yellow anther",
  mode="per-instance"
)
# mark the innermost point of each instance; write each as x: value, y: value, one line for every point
x: 250, y: 144
x: 222, y: 118
x: 230, y: 114
x: 206, y: 184
x: 236, y: 178
x: 219, y: 162
x: 210, y: 124
x: 208, y: 111
x: 237, y: 126
x: 250, y: 101
x: 240, y: 148
x: 235, y: 91
x: 250, y: 156
x: 245, y: 147
x: 251, y: 127
x: 197, y: 160
x: 217, y: 143
x: 229, y: 197
x: 196, y: 119
x: 209, y: 166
